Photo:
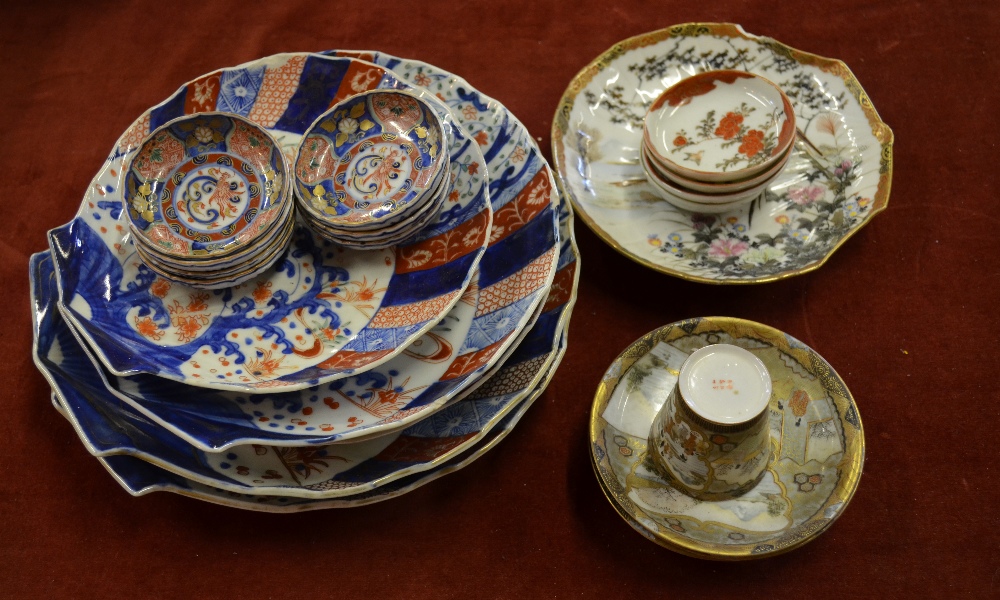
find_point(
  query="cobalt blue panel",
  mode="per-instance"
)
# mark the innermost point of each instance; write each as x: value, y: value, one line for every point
x: 317, y: 87
x: 169, y: 111
x: 420, y: 285
x: 511, y: 254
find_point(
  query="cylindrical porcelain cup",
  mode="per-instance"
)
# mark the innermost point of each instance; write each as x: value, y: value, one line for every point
x: 711, y: 437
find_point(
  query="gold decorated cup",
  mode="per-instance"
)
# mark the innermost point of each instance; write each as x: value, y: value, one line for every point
x: 711, y: 437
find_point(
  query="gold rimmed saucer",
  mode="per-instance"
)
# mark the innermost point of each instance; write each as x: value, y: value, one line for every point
x: 816, y: 436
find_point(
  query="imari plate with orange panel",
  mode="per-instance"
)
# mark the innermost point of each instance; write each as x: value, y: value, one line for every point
x: 836, y: 180
x: 322, y: 312
x: 515, y: 273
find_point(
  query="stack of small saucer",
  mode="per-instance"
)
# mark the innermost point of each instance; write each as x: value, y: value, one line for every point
x: 373, y: 170
x: 207, y: 199
x: 714, y: 141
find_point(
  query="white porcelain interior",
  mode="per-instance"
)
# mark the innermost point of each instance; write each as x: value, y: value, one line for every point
x: 725, y: 384
x: 701, y: 127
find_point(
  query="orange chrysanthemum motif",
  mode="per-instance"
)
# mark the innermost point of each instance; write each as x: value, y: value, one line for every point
x: 473, y: 168
x: 264, y: 365
x: 366, y: 292
x: 799, y: 403
x: 188, y: 327
x: 198, y: 302
x: 481, y: 138
x: 729, y: 126
x: 159, y: 288
x: 680, y: 141
x: 148, y: 328
x: 359, y: 294
x: 753, y: 142
x: 388, y: 396
x: 262, y: 293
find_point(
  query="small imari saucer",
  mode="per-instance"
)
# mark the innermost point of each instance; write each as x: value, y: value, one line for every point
x: 205, y: 186
x: 817, y: 445
x: 370, y: 160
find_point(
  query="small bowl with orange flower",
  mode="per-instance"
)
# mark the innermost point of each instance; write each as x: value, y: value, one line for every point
x: 717, y: 139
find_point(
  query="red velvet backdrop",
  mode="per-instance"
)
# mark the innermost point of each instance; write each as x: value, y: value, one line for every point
x: 906, y: 311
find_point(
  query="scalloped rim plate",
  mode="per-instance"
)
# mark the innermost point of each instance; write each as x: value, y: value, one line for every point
x: 837, y: 179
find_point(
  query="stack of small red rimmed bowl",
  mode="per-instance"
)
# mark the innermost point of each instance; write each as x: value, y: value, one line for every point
x: 373, y: 170
x: 208, y: 200
x: 714, y: 141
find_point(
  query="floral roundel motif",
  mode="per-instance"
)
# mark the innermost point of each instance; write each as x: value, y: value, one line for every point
x: 312, y: 164
x: 396, y: 111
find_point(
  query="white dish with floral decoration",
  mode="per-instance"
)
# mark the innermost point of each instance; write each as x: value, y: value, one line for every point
x: 837, y: 177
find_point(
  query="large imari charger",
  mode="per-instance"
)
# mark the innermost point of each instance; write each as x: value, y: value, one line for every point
x: 468, y: 393
x: 836, y: 180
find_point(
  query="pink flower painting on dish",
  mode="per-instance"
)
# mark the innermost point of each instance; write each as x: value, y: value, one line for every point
x: 725, y: 248
x: 806, y: 195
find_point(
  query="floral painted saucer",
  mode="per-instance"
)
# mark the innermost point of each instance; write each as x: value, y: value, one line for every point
x: 817, y: 445
x: 837, y: 178
x: 720, y: 126
x: 201, y: 186
x: 322, y: 313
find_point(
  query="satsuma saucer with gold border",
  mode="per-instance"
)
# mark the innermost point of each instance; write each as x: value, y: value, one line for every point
x: 816, y: 436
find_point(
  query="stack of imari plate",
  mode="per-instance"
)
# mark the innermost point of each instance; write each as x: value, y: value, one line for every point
x: 339, y: 377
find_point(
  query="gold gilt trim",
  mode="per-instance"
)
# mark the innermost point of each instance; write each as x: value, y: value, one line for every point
x: 849, y: 468
x: 837, y: 68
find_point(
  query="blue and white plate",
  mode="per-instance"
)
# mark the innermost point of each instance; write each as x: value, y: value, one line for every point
x: 110, y: 427
x: 139, y: 477
x: 322, y: 313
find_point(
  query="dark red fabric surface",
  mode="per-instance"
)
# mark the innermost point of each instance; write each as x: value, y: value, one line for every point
x: 906, y: 311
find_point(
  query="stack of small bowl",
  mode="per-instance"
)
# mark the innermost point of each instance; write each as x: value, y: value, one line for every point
x: 714, y: 141
x: 373, y: 170
x: 207, y: 199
